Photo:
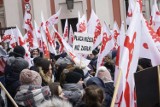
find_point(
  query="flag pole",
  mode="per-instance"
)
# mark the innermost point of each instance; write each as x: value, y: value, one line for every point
x: 14, y: 103
x: 116, y: 88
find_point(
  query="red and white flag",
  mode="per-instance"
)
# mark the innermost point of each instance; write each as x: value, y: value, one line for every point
x: 106, y: 46
x: 71, y: 36
x: 155, y: 18
x: 148, y: 46
x: 65, y: 34
x: 47, y: 36
x: 53, y: 19
x: 82, y: 24
x: 115, y: 33
x: 21, y: 42
x: 94, y: 27
x: 27, y: 24
x: 130, y: 11
x: 12, y: 42
x: 7, y: 35
x: 38, y: 35
x: 129, y: 61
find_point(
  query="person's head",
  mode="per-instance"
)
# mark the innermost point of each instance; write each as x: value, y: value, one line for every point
x: 30, y: 77
x: 35, y: 52
x: 104, y: 74
x: 94, y: 96
x: 56, y: 90
x: 19, y: 64
x: 46, y: 67
x: 19, y: 51
x: 73, y: 77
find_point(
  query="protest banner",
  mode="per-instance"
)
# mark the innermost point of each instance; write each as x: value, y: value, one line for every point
x: 82, y: 43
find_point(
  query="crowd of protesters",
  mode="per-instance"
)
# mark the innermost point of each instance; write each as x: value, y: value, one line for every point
x: 57, y: 81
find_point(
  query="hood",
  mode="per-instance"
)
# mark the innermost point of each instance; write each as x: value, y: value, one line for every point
x: 32, y: 95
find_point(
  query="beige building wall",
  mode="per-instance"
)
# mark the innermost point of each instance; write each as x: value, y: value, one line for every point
x: 13, y: 13
x: 104, y: 11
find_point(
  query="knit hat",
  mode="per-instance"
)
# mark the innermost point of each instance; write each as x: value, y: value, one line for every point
x: 29, y: 77
x: 104, y: 74
x: 19, y: 51
x: 80, y: 71
x: 19, y: 64
x: 73, y: 77
x: 95, y: 81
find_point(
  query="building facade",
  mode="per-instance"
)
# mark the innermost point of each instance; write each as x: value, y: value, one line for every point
x: 12, y: 11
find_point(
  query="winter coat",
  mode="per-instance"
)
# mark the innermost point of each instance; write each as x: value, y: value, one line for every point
x: 74, y: 92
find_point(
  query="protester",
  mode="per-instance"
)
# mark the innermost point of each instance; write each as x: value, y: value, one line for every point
x: 56, y: 90
x: 31, y: 93
x: 105, y: 75
x: 46, y: 72
x: 94, y: 97
x: 12, y: 78
x: 72, y: 86
x: 35, y: 53
x: 98, y: 82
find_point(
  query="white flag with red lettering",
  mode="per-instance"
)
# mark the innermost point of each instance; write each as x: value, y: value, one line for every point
x: 130, y: 11
x: 82, y: 24
x: 27, y: 24
x: 71, y: 36
x: 47, y: 43
x: 94, y: 27
x: 129, y: 61
x: 155, y: 18
x: 115, y: 33
x: 65, y: 34
x: 148, y: 46
x: 7, y: 35
x: 106, y: 46
x: 21, y: 42
x: 53, y: 19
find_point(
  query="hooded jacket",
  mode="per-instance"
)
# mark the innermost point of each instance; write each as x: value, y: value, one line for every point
x: 32, y: 95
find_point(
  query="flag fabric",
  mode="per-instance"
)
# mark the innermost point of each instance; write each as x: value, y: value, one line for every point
x: 71, y: 36
x: 21, y: 42
x: 12, y: 42
x: 94, y: 27
x: 130, y: 56
x: 148, y: 46
x: 59, y: 40
x: 130, y: 11
x: 53, y: 19
x: 47, y: 37
x: 115, y: 34
x: 38, y: 35
x: 155, y: 18
x: 82, y: 24
x: 27, y: 24
x: 106, y: 46
x: 65, y: 34
x: 7, y: 36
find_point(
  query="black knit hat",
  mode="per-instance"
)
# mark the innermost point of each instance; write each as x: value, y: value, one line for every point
x: 19, y: 51
x: 80, y: 71
x: 73, y: 77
